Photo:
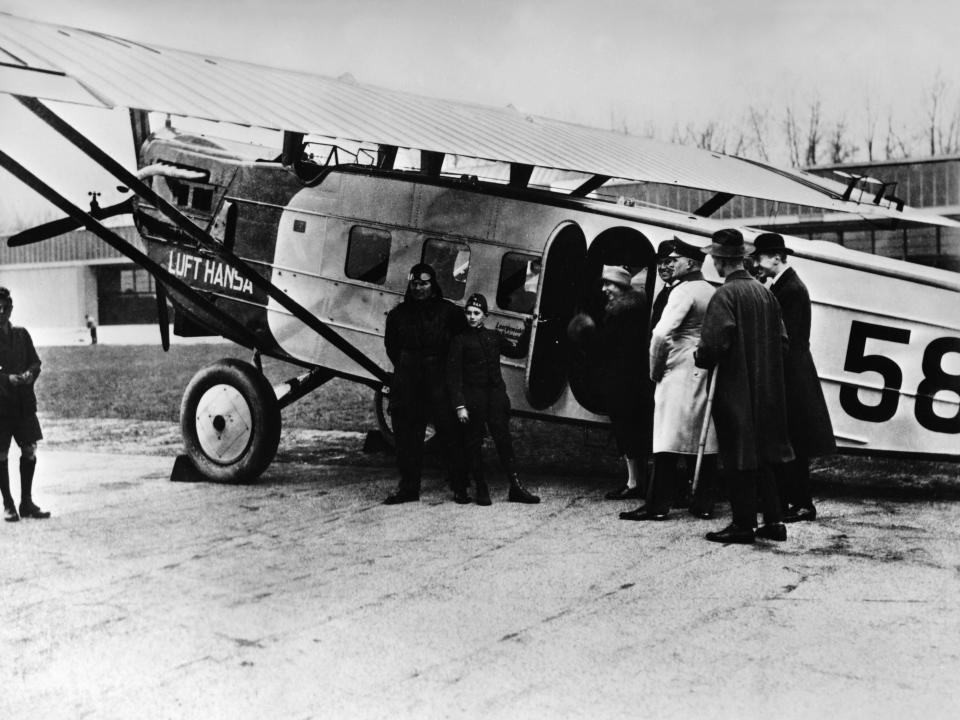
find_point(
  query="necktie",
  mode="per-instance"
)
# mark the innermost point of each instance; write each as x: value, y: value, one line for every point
x: 659, y: 303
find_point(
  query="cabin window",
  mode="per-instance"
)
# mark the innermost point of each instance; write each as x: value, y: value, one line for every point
x: 519, y: 278
x: 451, y: 260
x: 368, y: 254
x: 179, y: 190
x: 202, y: 198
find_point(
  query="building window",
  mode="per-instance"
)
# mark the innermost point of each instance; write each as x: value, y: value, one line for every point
x: 923, y: 246
x: 889, y: 243
x: 368, y: 254
x: 138, y: 281
x: 451, y: 260
x: 861, y: 240
x: 519, y: 278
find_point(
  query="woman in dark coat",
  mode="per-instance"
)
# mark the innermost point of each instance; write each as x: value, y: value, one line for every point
x: 479, y: 396
x: 625, y: 385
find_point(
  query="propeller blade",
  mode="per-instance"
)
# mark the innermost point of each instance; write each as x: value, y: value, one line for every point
x: 65, y: 225
x: 163, y: 317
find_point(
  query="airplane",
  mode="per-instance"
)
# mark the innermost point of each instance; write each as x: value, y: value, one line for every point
x: 298, y: 252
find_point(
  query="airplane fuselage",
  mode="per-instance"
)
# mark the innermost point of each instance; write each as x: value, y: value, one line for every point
x: 885, y: 334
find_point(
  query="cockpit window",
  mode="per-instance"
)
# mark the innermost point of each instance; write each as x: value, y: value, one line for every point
x: 368, y: 254
x: 519, y: 278
x: 451, y: 260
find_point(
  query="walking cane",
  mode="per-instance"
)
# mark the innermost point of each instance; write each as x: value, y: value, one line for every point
x: 711, y: 388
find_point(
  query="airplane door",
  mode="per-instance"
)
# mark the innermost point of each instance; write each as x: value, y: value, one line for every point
x: 557, y: 296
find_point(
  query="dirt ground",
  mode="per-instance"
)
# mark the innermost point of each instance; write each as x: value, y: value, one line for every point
x: 301, y: 596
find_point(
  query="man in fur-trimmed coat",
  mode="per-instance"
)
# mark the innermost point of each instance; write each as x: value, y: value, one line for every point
x: 626, y: 389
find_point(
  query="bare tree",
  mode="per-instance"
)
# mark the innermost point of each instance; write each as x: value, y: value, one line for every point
x: 870, y: 129
x: 757, y: 124
x: 841, y: 149
x: 894, y: 147
x: 813, y: 134
x: 792, y: 128
x: 935, y: 96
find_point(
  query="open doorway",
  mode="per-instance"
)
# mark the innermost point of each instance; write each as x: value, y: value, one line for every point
x: 621, y: 246
x: 559, y: 290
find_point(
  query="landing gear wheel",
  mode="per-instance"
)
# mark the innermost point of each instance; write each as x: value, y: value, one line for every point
x: 381, y: 401
x: 384, y: 421
x: 230, y: 420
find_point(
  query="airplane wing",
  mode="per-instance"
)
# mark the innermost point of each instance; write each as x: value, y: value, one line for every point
x: 70, y: 65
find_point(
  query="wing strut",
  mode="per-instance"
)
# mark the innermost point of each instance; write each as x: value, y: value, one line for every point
x: 589, y: 186
x: 120, y: 245
x: 203, y: 239
x: 713, y: 204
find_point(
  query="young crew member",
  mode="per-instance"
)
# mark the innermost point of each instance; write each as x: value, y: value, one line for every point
x: 479, y: 396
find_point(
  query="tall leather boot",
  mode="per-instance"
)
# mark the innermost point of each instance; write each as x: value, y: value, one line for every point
x: 518, y: 493
x: 459, y: 485
x: 483, y: 492
x: 27, y: 508
x: 9, y: 507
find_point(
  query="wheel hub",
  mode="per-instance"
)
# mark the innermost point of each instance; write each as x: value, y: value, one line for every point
x: 224, y: 426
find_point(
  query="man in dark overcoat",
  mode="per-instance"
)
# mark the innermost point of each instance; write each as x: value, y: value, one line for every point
x: 743, y: 340
x: 811, y: 433
x: 19, y: 368
x: 417, y: 338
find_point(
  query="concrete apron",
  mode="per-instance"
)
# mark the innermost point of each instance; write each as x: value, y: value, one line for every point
x: 301, y: 596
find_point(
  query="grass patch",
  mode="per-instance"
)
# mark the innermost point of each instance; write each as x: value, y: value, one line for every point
x: 140, y: 382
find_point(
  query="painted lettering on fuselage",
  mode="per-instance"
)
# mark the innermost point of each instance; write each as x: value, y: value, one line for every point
x: 207, y: 271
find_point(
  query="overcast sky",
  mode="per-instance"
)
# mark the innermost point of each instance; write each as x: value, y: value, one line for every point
x: 644, y: 65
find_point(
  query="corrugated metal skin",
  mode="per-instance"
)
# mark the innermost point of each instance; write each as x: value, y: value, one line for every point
x: 77, y: 246
x: 122, y: 73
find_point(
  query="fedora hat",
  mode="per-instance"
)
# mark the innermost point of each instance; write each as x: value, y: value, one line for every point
x: 728, y: 243
x: 770, y: 243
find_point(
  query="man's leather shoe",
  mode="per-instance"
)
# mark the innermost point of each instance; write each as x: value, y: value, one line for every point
x: 733, y: 534
x: 775, y: 531
x: 33, y: 512
x: 702, y: 513
x: 625, y: 493
x: 401, y: 497
x: 10, y: 513
x: 643, y: 513
x: 800, y: 514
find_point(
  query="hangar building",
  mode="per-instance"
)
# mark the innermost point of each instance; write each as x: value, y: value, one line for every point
x: 56, y: 282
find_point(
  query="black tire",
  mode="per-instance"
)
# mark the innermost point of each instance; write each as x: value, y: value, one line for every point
x: 381, y: 408
x: 384, y: 421
x: 230, y: 421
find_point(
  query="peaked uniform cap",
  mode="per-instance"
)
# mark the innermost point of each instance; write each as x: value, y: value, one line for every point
x: 678, y: 248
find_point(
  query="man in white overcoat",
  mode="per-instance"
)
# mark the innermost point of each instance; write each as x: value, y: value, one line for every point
x: 680, y: 396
